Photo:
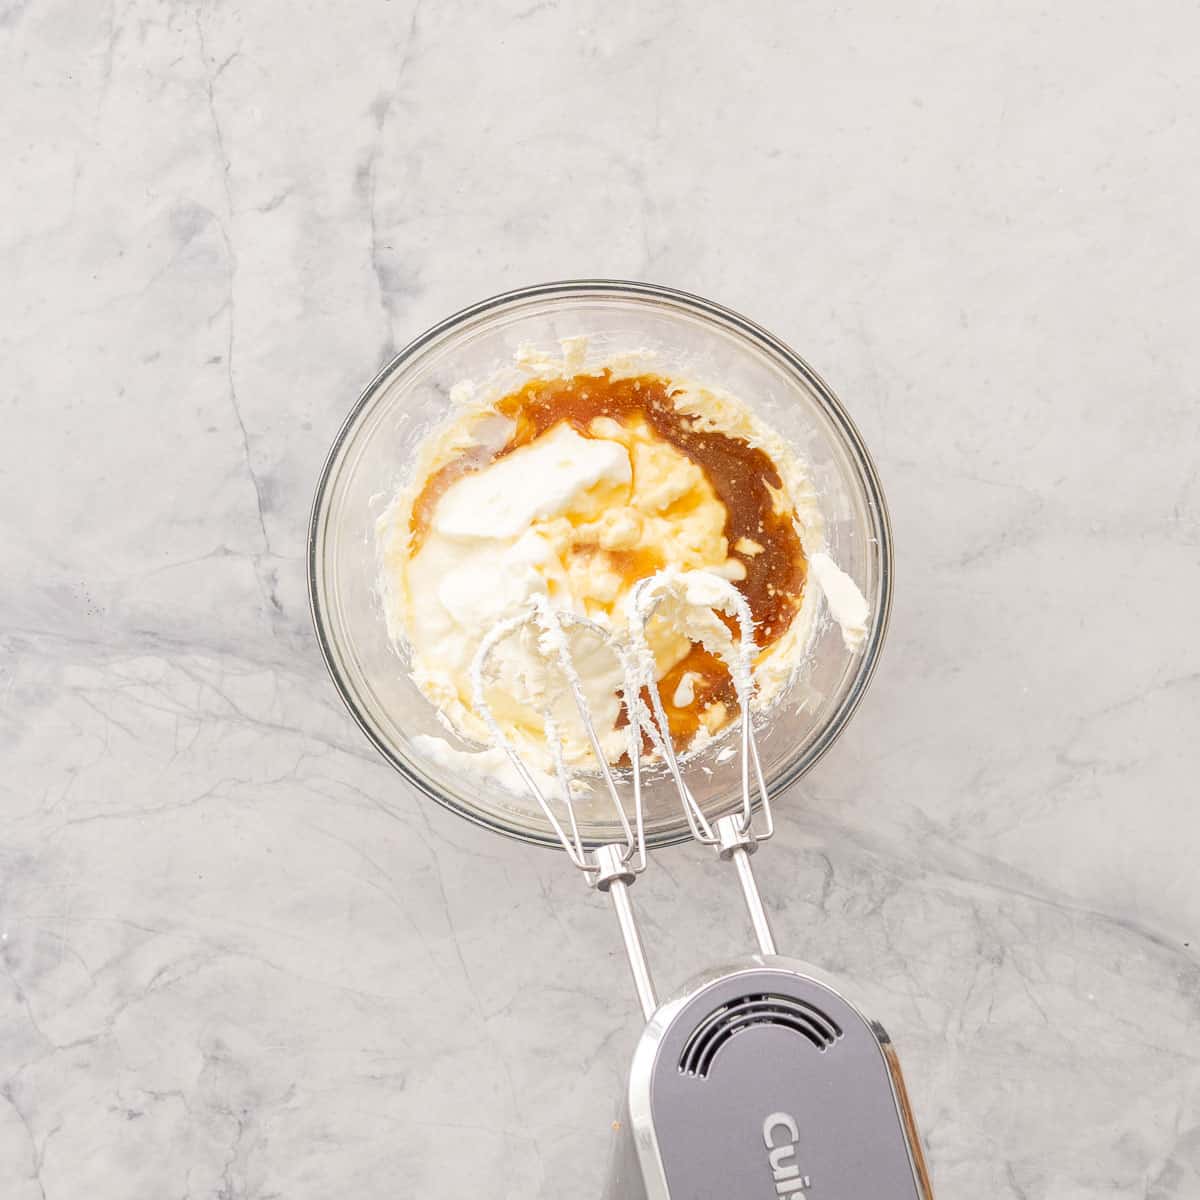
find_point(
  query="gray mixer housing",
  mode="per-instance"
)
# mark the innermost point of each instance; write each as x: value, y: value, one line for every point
x: 762, y: 1081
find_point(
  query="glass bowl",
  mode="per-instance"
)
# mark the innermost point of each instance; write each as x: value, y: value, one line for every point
x: 375, y: 450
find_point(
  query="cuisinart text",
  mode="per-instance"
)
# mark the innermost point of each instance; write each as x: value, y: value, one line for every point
x: 780, y: 1136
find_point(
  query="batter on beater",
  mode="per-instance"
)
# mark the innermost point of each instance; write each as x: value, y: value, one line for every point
x: 575, y: 485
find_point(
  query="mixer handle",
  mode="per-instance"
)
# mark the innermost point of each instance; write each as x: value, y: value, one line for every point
x: 614, y: 876
x: 735, y: 843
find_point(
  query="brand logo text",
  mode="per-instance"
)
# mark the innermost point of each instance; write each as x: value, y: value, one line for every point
x: 780, y: 1135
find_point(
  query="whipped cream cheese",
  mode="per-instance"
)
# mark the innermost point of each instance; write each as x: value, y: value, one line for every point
x: 535, y: 482
x: 847, y: 605
x: 575, y: 518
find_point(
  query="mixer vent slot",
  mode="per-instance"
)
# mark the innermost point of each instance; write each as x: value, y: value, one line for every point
x: 727, y: 1021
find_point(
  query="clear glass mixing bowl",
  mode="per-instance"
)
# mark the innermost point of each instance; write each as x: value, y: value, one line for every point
x: 375, y: 449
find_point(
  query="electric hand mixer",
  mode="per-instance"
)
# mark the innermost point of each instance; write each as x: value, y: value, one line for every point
x: 760, y: 1079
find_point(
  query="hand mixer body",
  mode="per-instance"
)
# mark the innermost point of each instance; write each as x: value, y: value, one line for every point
x: 761, y: 1080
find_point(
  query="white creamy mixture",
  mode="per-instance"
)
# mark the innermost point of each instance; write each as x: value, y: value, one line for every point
x: 534, y: 521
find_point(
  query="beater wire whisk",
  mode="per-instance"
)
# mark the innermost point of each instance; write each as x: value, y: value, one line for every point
x: 613, y: 866
x: 733, y: 836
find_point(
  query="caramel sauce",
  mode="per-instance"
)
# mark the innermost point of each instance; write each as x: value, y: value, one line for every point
x: 743, y: 477
x: 714, y: 686
x: 635, y: 564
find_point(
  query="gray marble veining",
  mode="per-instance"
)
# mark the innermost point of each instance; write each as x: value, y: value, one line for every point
x: 239, y: 959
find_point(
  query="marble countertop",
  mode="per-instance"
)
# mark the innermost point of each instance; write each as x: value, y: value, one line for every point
x: 239, y: 959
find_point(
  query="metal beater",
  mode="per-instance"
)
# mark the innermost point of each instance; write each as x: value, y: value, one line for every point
x: 760, y: 1078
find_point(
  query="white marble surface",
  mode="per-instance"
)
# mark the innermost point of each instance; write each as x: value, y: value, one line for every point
x: 239, y: 959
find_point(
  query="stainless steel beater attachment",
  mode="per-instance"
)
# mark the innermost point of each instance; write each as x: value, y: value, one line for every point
x: 612, y: 867
x: 733, y: 836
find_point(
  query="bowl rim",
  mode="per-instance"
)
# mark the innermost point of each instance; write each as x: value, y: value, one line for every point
x: 697, y: 305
